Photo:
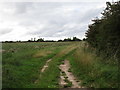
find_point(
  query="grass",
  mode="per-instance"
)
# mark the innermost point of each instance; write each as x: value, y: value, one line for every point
x: 92, y: 71
x: 22, y: 63
x: 53, y: 73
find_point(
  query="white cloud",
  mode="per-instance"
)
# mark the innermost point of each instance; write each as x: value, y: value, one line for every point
x: 56, y: 0
x: 48, y: 20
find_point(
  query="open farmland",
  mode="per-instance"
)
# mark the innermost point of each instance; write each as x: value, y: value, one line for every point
x: 55, y: 65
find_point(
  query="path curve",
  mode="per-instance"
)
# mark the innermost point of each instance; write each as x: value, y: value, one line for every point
x: 45, y: 66
x: 43, y: 69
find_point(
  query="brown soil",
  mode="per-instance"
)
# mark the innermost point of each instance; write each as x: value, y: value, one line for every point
x: 64, y: 68
x: 2, y: 51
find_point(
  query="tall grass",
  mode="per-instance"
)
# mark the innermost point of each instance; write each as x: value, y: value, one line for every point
x: 92, y: 70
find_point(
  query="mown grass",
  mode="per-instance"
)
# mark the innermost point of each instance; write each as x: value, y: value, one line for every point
x: 92, y: 70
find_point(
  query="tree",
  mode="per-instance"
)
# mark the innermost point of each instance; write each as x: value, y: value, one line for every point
x: 104, y: 33
x: 68, y: 39
x: 60, y: 40
x: 40, y: 40
x: 76, y: 39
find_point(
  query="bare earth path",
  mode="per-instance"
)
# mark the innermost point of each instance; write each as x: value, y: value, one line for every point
x: 64, y: 68
x: 46, y: 65
x: 44, y: 68
x: 1, y: 50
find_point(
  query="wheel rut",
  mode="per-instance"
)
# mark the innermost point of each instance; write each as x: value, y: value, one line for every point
x: 43, y: 69
x: 45, y: 66
x: 67, y: 77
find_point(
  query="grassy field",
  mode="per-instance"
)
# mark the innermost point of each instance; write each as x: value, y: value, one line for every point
x: 22, y: 64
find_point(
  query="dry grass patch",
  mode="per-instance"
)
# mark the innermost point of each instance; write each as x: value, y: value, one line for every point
x: 66, y: 50
x: 42, y: 53
x: 84, y: 58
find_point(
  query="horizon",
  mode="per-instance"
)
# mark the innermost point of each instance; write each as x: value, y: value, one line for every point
x: 45, y: 40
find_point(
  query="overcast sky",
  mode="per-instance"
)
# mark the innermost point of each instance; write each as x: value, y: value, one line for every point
x: 48, y: 20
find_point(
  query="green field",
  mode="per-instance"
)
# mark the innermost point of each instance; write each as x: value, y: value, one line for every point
x: 22, y: 64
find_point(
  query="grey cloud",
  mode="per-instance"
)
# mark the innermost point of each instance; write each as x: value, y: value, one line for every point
x: 23, y: 7
x: 90, y: 14
x: 5, y: 31
x: 53, y: 19
x: 55, y: 31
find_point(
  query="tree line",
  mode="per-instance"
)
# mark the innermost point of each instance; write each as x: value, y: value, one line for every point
x: 65, y: 40
x: 104, y: 33
x: 42, y: 40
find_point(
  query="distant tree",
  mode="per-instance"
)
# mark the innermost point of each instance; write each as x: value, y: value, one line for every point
x: 68, y: 39
x: 84, y: 39
x: 29, y: 41
x: 60, y: 40
x: 9, y: 41
x: 40, y: 40
x: 34, y: 39
x: 76, y: 39
x: 49, y: 41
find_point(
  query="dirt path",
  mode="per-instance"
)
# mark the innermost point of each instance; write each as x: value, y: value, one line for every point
x: 45, y: 66
x: 43, y: 69
x: 1, y: 50
x: 70, y: 77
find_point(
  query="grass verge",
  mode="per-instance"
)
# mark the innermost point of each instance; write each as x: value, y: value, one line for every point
x: 92, y: 71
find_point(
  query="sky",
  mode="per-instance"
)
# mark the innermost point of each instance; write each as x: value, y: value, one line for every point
x: 49, y: 20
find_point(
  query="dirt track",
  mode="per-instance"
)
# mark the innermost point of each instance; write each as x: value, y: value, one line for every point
x: 64, y: 68
x: 44, y: 68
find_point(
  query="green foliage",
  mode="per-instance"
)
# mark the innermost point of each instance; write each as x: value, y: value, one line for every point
x: 40, y: 40
x: 104, y: 33
x: 69, y: 39
x: 76, y: 39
